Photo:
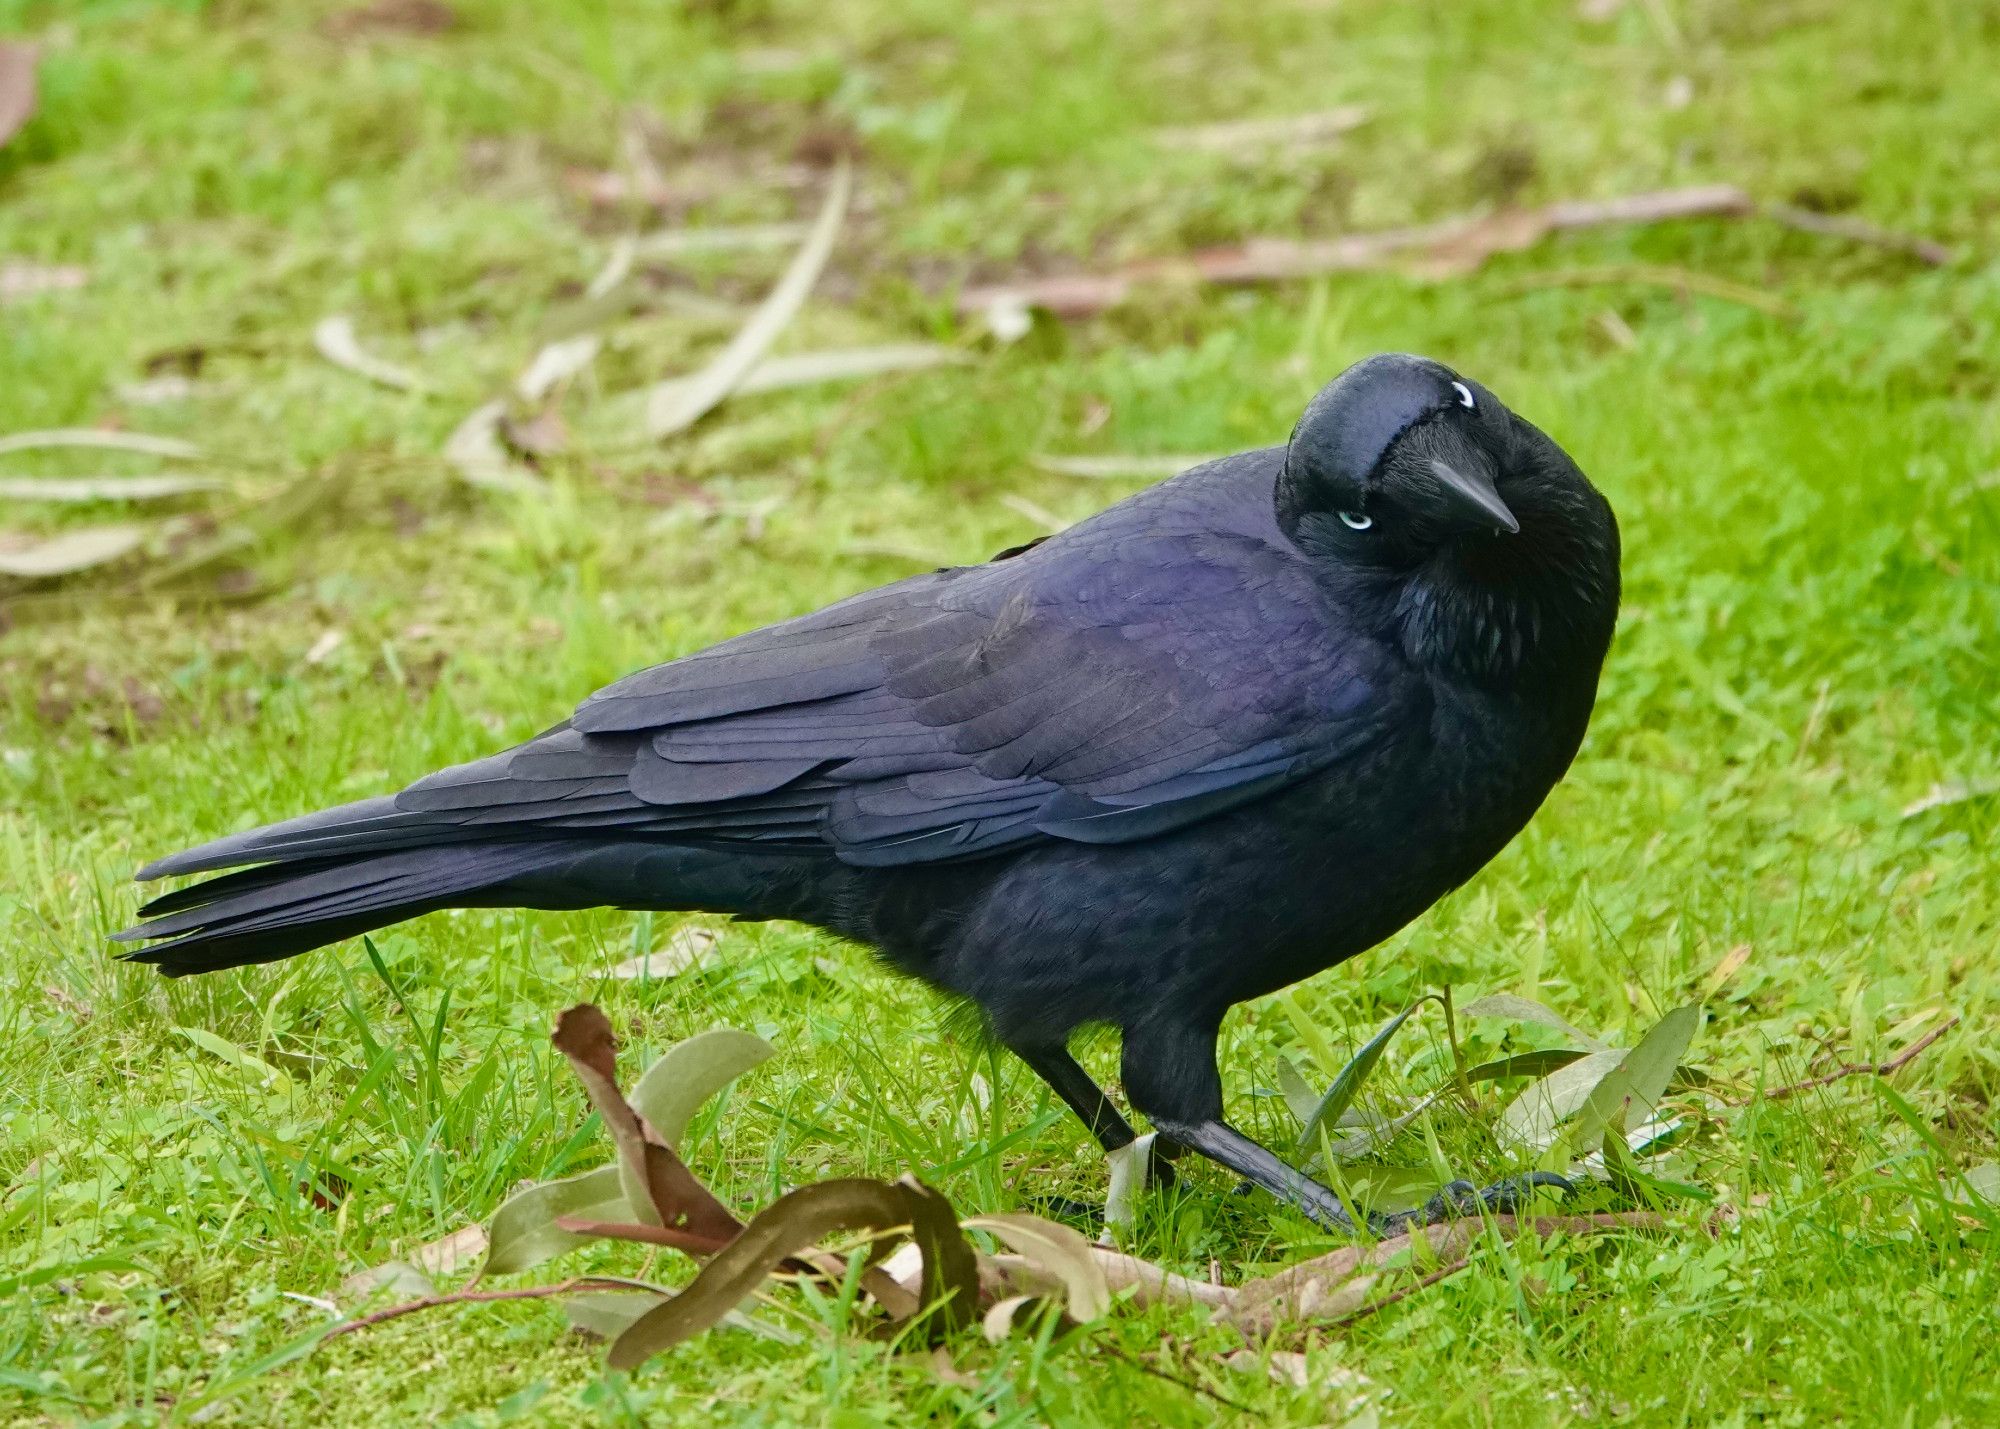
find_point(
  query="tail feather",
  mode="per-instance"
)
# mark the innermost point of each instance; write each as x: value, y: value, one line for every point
x: 370, y: 826
x: 264, y: 914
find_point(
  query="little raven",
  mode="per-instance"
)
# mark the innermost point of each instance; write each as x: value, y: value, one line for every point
x: 1234, y: 730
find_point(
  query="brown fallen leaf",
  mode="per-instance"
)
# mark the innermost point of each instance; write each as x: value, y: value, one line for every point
x: 26, y: 280
x: 658, y: 1185
x: 334, y: 339
x: 17, y: 86
x: 407, y: 17
x: 451, y: 1253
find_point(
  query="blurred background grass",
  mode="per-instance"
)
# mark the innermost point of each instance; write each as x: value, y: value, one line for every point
x: 1809, y: 499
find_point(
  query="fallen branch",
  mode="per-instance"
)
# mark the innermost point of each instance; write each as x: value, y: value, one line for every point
x: 1334, y: 1288
x: 1450, y: 248
x: 1856, y: 1069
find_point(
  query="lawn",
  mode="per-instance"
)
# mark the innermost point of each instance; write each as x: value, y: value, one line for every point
x: 1786, y: 808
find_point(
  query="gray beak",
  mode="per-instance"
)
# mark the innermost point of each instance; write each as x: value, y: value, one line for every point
x: 1472, y: 495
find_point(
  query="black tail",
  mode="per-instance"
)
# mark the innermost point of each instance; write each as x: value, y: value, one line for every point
x: 271, y: 912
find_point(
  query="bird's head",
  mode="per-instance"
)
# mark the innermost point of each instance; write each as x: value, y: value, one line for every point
x: 1403, y: 468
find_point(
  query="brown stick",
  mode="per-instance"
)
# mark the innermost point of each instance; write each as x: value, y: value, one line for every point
x: 1383, y: 1302
x: 582, y: 1284
x: 1856, y: 1069
x: 1447, y: 248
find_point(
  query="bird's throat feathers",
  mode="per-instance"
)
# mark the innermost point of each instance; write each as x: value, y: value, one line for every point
x: 1494, y: 609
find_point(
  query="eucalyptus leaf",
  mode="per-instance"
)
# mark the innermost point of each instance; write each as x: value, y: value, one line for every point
x: 1348, y: 1084
x: 1524, y: 1064
x: 1299, y: 1096
x: 1534, y: 1117
x: 612, y: 1313
x: 680, y: 407
x: 1520, y: 1009
x: 101, y: 488
x: 523, y: 1232
x: 792, y: 1223
x: 1059, y: 1251
x: 71, y: 551
x: 1638, y: 1082
x: 688, y: 1073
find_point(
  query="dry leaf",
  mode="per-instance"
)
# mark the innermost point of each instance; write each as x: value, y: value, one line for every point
x: 1248, y: 135
x: 542, y: 435
x: 102, y: 488
x: 452, y: 1252
x: 674, y: 412
x: 17, y: 87
x: 658, y: 1185
x: 680, y: 242
x: 802, y: 369
x: 322, y: 648
x: 334, y: 339
x: 71, y: 551
x: 409, y: 17
x: 1730, y: 964
x: 152, y: 391
x: 557, y: 363
x: 402, y: 1279
x: 475, y: 452
x: 103, y: 440
x: 688, y: 948
x: 25, y: 280
x: 1941, y: 796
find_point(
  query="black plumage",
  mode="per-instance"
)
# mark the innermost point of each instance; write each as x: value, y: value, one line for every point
x: 1223, y: 735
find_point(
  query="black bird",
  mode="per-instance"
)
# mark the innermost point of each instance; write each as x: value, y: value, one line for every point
x: 1229, y: 732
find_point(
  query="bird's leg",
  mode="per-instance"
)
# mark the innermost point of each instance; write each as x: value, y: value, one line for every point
x: 1135, y: 1160
x: 1171, y: 1077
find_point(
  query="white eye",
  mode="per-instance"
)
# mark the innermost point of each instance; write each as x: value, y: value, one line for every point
x: 1355, y: 521
x: 1464, y: 394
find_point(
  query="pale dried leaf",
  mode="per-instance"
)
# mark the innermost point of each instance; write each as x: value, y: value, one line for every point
x: 392, y: 1280
x: 102, y: 488
x: 998, y: 1323
x: 1289, y: 131
x: 680, y: 242
x: 27, y: 280
x: 556, y: 363
x: 802, y: 369
x: 688, y: 948
x: 102, y: 440
x: 1943, y: 796
x: 1119, y: 467
x: 680, y: 410
x: 452, y: 1252
x: 322, y: 649
x: 1730, y: 964
x: 154, y: 391
x: 1033, y: 511
x: 476, y: 453
x: 334, y: 339
x: 1058, y: 1251
x: 71, y: 551
x: 17, y: 87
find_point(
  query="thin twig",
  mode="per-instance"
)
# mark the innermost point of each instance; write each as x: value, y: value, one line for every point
x: 579, y: 1285
x: 1856, y: 1069
x: 1859, y: 230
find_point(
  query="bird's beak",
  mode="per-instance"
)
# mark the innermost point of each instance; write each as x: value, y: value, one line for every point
x: 1474, y: 496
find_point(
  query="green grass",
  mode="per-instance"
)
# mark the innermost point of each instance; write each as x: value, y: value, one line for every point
x: 1809, y: 645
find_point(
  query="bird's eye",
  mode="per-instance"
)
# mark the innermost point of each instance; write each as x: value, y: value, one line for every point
x: 1355, y: 521
x: 1464, y: 394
